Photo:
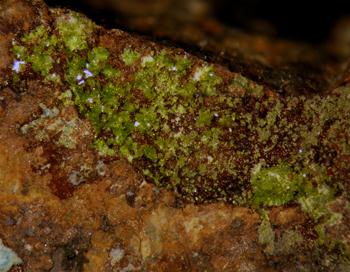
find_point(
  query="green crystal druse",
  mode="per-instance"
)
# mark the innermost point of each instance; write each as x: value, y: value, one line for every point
x: 275, y: 186
x: 188, y: 127
x: 182, y: 124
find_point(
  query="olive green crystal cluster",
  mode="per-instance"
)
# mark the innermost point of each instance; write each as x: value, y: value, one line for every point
x: 184, y: 124
x: 206, y: 134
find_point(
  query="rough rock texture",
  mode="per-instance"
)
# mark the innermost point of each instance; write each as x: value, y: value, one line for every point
x: 284, y: 65
x: 121, y: 154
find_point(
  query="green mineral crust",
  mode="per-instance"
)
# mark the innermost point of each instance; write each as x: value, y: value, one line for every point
x: 193, y: 127
x: 185, y: 124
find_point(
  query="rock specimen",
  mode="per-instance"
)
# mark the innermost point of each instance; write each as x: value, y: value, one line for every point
x: 122, y: 154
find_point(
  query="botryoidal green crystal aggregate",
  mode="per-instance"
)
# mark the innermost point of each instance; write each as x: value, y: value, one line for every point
x: 187, y: 127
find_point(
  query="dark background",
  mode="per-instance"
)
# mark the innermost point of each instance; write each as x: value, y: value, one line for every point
x: 309, y: 21
x: 296, y: 19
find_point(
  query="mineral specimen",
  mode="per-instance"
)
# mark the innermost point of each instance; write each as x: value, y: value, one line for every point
x: 118, y: 153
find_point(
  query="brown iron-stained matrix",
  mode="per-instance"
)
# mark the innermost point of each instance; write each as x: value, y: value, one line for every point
x: 119, y: 153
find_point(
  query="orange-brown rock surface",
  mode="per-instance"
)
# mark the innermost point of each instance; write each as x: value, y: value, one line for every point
x: 64, y: 207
